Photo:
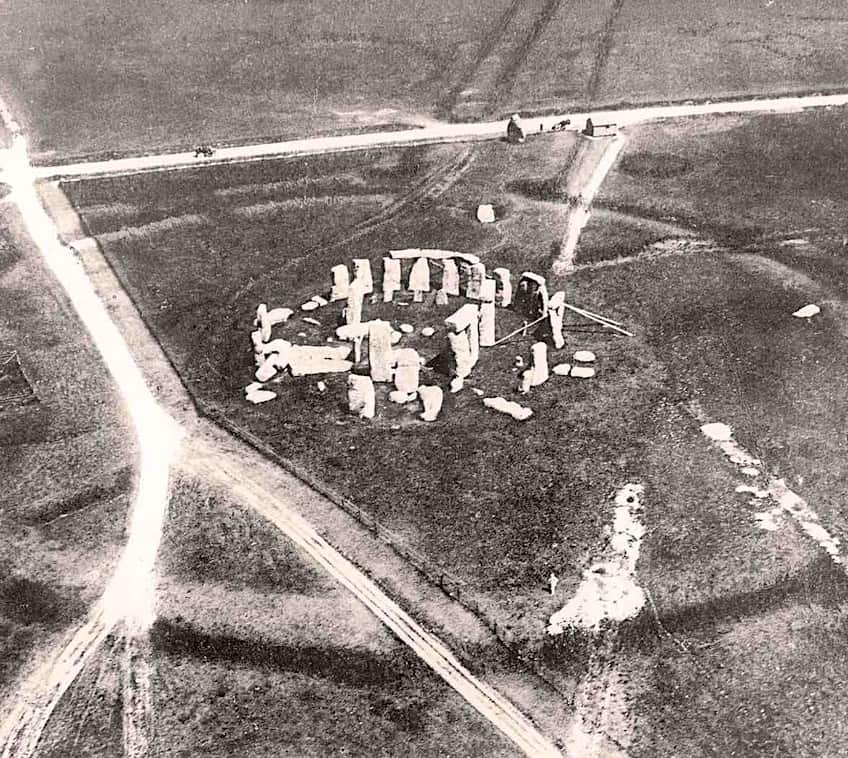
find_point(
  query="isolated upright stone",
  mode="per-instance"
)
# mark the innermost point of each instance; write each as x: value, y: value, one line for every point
x: 432, y: 398
x: 556, y: 316
x: 355, y: 296
x: 487, y: 313
x: 442, y: 297
x: 380, y: 352
x: 360, y: 396
x: 391, y: 278
x: 341, y: 282
x: 362, y: 272
x: 419, y: 279
x: 407, y: 371
x: 539, y: 366
x: 476, y: 277
x: 504, y: 287
x: 450, y: 277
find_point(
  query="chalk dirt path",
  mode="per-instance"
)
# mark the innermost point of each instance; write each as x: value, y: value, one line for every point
x: 487, y: 130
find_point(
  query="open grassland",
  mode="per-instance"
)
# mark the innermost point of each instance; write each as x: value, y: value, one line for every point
x: 139, y: 78
x: 258, y: 652
x: 66, y: 462
x: 774, y: 193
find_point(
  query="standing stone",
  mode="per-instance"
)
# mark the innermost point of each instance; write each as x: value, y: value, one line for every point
x: 504, y: 287
x: 467, y: 320
x: 419, y: 279
x: 391, y: 278
x: 341, y: 283
x: 263, y: 322
x: 450, y: 277
x: 362, y: 271
x: 539, y: 366
x: 556, y: 316
x: 442, y: 297
x: 487, y: 313
x: 476, y: 277
x: 461, y: 350
x: 432, y: 398
x: 380, y: 352
x: 474, y: 338
x: 360, y: 396
x: 407, y: 371
x: 355, y: 296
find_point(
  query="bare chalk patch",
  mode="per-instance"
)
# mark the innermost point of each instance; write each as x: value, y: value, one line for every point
x: 609, y: 590
x: 786, y: 501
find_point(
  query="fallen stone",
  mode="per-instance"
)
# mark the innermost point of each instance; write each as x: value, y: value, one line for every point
x: 269, y: 367
x: 360, y: 396
x: 584, y: 356
x: 428, y: 331
x: 751, y: 471
x: 350, y: 332
x: 322, y: 301
x: 407, y: 328
x: 313, y: 321
x: 517, y: 411
x: 808, y: 311
x: 322, y: 359
x: 256, y: 339
x: 309, y: 305
x: 456, y: 384
x: 261, y: 396
x: 431, y: 398
x: 252, y: 387
x: 485, y: 214
x: 401, y: 398
x: 322, y: 386
x: 582, y: 372
x: 274, y: 346
x: 279, y: 315
x: 562, y: 369
x: 396, y: 337
x: 477, y: 392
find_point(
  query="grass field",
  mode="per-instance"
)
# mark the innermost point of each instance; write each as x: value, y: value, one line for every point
x: 258, y: 652
x: 142, y: 79
x: 66, y: 462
